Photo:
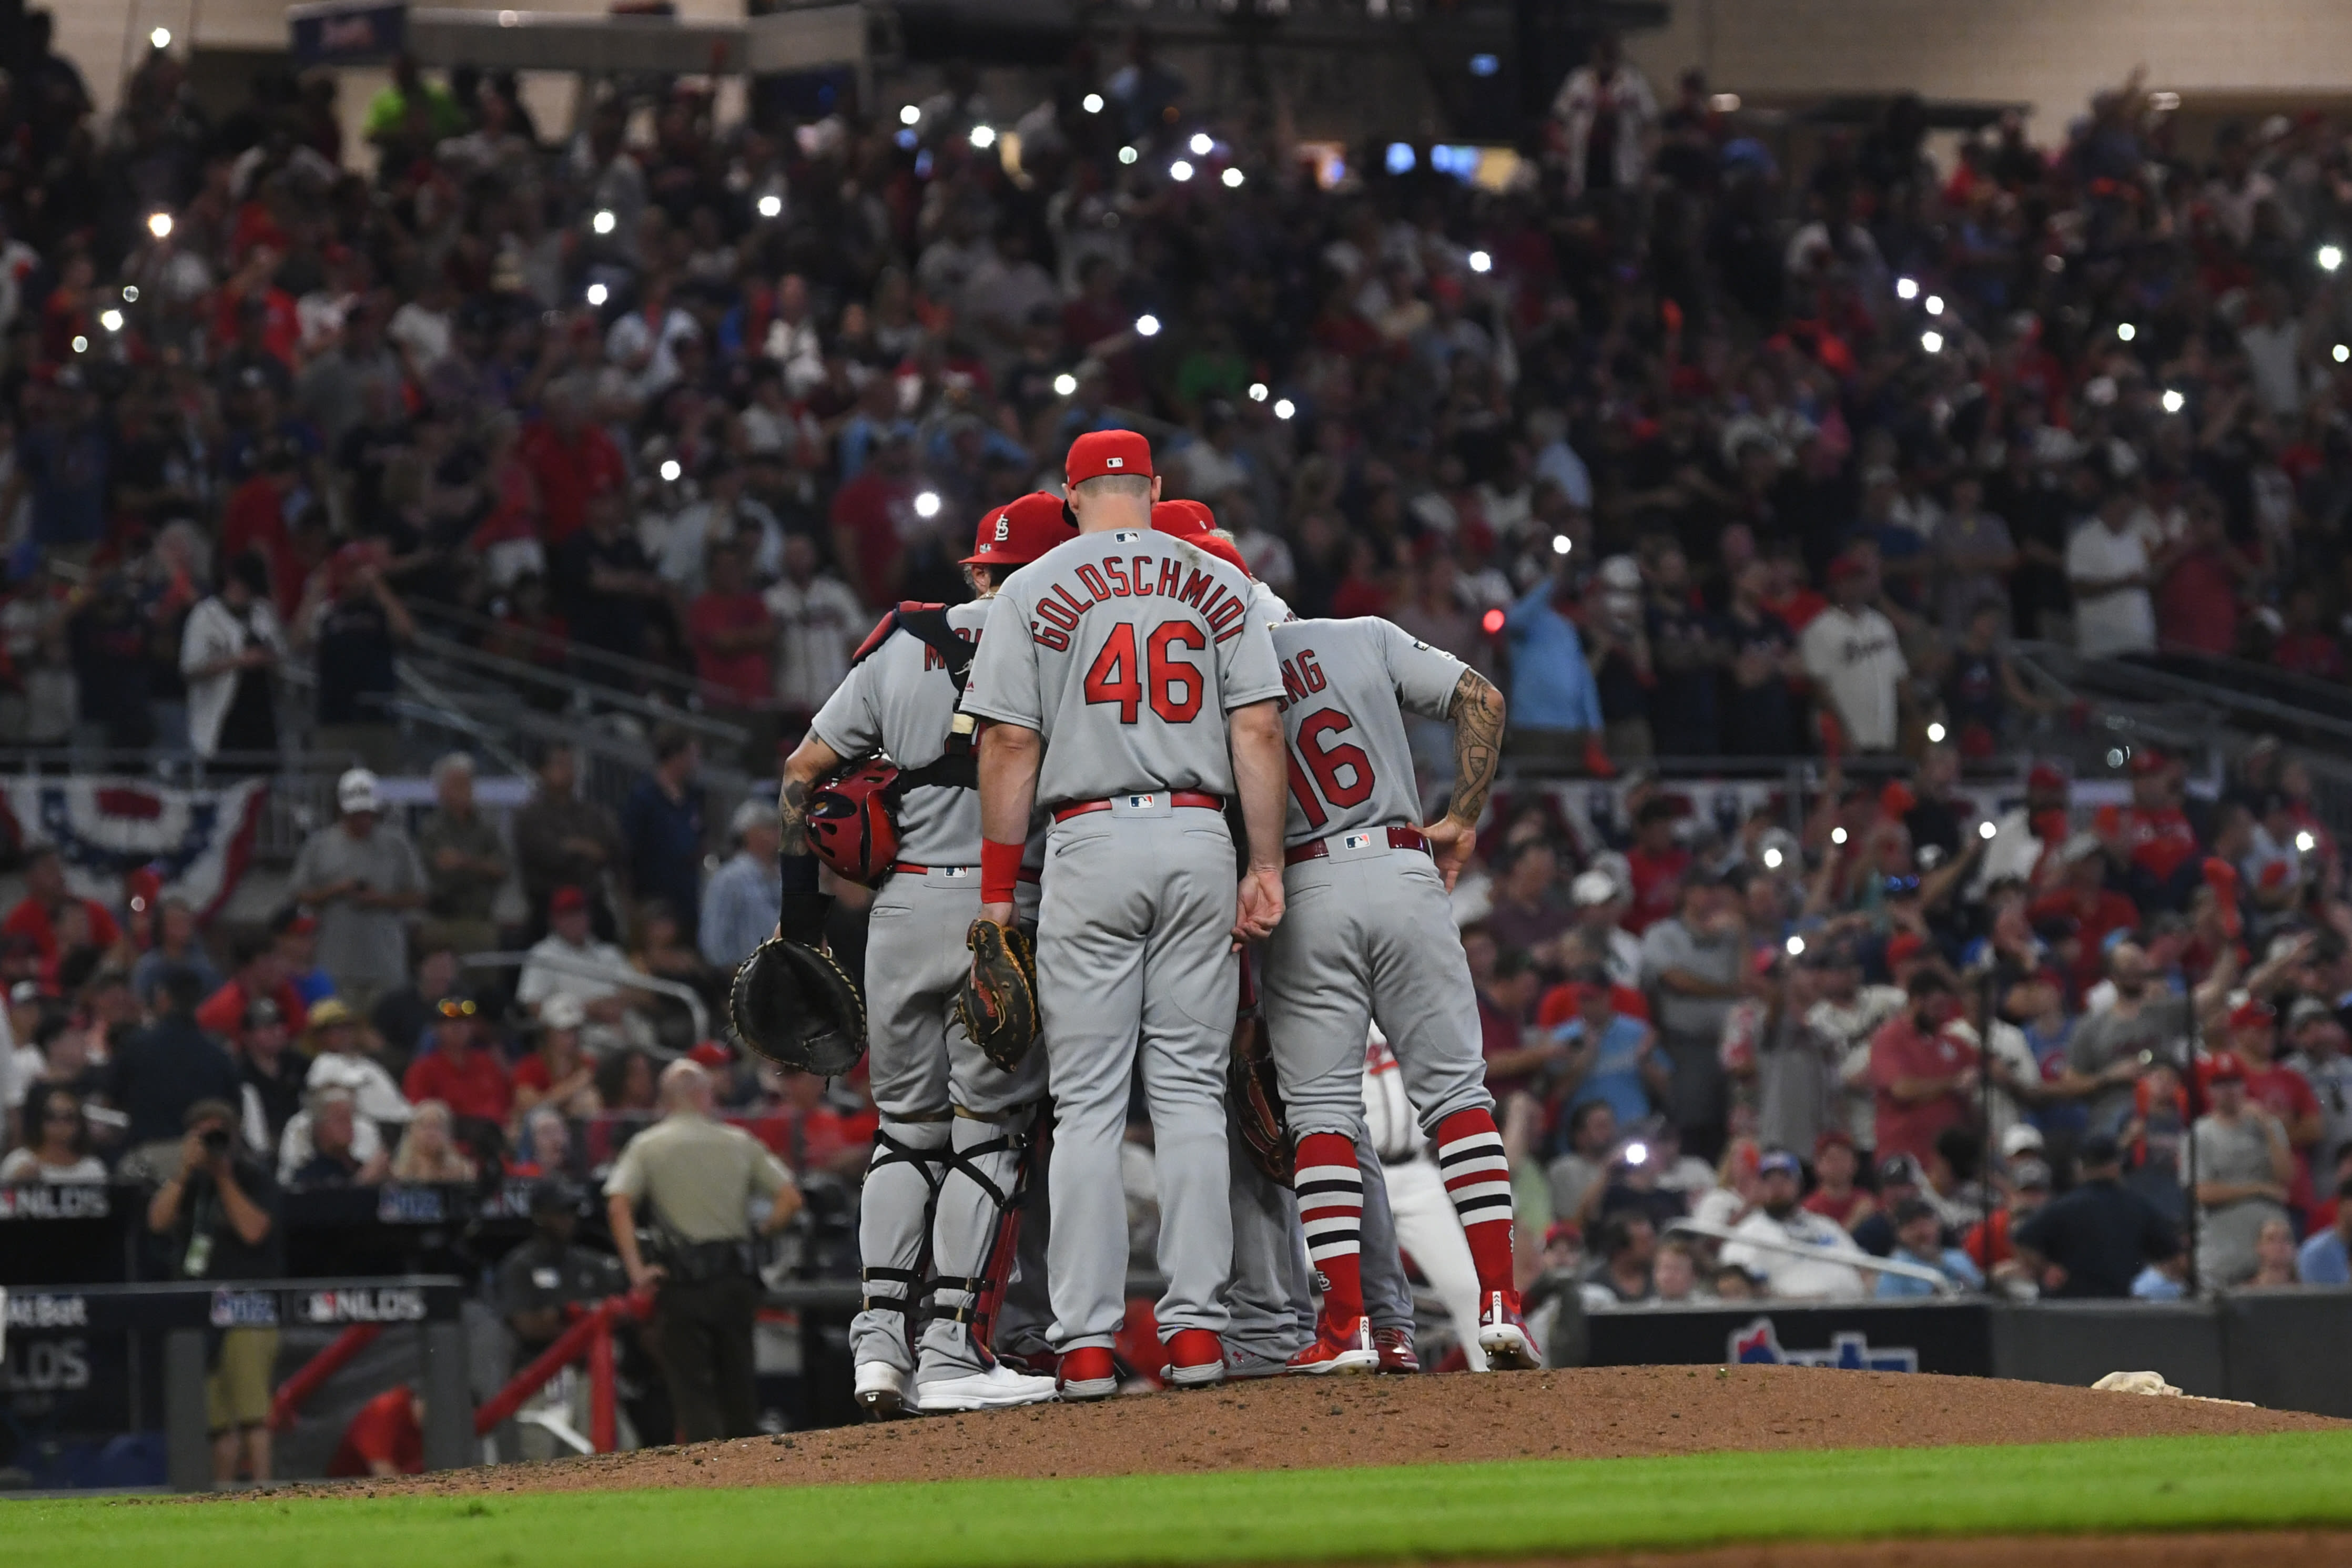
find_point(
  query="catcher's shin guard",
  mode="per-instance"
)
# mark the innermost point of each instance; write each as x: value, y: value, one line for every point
x: 893, y: 1230
x: 975, y: 1227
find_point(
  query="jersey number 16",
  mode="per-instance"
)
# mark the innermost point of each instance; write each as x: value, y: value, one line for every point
x: 1343, y: 774
x: 1171, y: 684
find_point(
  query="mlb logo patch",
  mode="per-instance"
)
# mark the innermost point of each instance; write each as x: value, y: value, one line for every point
x: 955, y: 871
x: 1140, y: 803
x: 1114, y: 461
x: 1355, y: 841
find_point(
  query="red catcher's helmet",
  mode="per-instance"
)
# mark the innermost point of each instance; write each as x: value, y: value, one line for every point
x: 850, y: 824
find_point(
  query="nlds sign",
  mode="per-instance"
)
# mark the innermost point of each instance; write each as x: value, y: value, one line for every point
x: 384, y: 1304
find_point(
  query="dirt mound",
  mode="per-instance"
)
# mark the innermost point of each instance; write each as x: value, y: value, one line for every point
x: 1299, y: 1424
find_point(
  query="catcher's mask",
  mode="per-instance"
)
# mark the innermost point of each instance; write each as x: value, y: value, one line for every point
x: 852, y: 825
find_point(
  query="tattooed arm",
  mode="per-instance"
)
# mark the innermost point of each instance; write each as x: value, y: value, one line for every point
x: 1478, y: 714
x: 803, y: 911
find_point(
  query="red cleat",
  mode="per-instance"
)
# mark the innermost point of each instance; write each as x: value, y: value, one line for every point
x: 1196, y: 1359
x: 1395, y: 1346
x: 1089, y: 1373
x: 1340, y: 1350
x: 1503, y: 1334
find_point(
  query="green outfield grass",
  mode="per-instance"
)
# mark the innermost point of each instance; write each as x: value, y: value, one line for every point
x: 1429, y: 1510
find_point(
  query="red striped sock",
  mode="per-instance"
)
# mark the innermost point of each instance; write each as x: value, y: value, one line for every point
x: 1330, y: 1188
x: 1478, y: 1179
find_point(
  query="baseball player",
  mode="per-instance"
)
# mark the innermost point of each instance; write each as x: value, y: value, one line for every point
x: 1406, y: 1206
x: 1130, y: 692
x: 954, y: 1129
x: 1371, y: 938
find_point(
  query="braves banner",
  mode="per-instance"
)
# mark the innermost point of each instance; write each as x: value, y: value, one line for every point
x: 197, y: 841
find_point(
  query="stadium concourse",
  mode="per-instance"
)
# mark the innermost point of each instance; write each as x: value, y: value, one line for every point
x: 431, y: 549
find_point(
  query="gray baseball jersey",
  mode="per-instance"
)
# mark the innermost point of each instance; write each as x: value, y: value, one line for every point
x: 1125, y: 650
x: 1343, y: 685
x: 900, y: 700
x: 1368, y: 934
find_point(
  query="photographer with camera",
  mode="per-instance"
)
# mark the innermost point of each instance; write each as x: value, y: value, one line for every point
x: 218, y: 1216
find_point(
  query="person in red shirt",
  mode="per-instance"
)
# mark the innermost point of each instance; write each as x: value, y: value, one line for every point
x: 385, y: 1439
x: 254, y: 520
x: 2153, y: 832
x: 573, y: 461
x: 461, y: 1070
x: 1922, y: 1073
x: 2303, y: 648
x: 1786, y: 593
x: 2094, y: 908
x: 873, y: 516
x: 260, y: 977
x: 2197, y: 604
x: 46, y: 899
x: 1835, y: 1197
x: 1657, y: 864
x: 731, y: 632
x: 1988, y: 1243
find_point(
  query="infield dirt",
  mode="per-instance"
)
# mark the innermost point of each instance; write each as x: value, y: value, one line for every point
x: 1301, y: 1423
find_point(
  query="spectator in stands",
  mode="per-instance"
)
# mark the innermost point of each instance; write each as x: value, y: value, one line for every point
x: 296, y: 932
x: 818, y: 622
x: 1695, y: 966
x: 361, y: 875
x: 465, y: 862
x: 569, y: 961
x: 1526, y: 917
x: 1629, y: 1245
x: 260, y: 977
x: 2315, y: 1042
x: 217, y: 1213
x: 661, y: 823
x: 562, y: 841
x: 1835, y: 1197
x: 39, y: 914
x: 385, y: 1439
x: 557, y: 1073
x: 462, y: 1071
x: 340, y: 1059
x: 1803, y: 1256
x: 733, y: 638
x: 2244, y: 1169
x: 1923, y: 1070
x: 402, y: 1017
x: 1657, y: 864
x: 1601, y: 906
x: 1919, y: 1239
x: 274, y: 1076
x: 229, y: 652
x: 2111, y: 1043
x: 740, y: 905
x: 2274, y: 1258
x: 1854, y: 657
x: 1609, y: 1057
x: 354, y: 624
x: 161, y: 1071
x: 2325, y: 1258
x: 344, y: 1149
x: 1556, y: 717
x: 1577, y: 1179
x: 606, y: 587
x: 179, y: 944
x: 428, y: 1151
x: 2108, y: 567
x: 2094, y: 1241
x: 57, y: 1146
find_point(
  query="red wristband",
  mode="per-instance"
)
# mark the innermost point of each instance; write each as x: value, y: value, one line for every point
x: 1000, y: 869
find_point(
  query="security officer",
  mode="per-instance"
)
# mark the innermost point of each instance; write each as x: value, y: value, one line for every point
x: 699, y: 1175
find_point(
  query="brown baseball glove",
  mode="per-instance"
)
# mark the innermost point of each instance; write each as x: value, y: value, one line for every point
x: 998, y: 1004
x: 1258, y: 1112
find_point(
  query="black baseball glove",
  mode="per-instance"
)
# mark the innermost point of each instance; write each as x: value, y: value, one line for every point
x: 998, y: 1003
x: 794, y: 1005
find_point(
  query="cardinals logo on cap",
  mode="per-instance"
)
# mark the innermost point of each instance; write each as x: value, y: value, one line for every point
x: 1003, y: 527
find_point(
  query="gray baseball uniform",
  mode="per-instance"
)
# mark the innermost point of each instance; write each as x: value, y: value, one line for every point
x: 1125, y: 650
x: 953, y: 1124
x: 1368, y: 932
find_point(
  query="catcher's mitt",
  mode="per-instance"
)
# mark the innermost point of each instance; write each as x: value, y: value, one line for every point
x: 794, y: 1005
x: 1259, y: 1110
x: 998, y: 1003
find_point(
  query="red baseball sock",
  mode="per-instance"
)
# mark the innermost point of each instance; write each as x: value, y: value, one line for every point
x: 1478, y: 1179
x: 1331, y: 1210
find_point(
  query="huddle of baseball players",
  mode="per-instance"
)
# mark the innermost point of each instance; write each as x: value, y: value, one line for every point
x: 1183, y: 789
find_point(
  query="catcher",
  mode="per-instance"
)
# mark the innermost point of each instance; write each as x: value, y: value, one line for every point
x: 955, y: 1135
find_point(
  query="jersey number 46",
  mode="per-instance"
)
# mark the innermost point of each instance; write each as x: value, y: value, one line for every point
x: 1170, y: 683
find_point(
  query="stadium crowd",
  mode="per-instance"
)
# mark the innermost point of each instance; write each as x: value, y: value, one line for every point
x: 1699, y: 456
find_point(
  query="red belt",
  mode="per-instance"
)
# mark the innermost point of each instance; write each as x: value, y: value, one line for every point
x: 1318, y: 849
x: 911, y: 869
x: 1192, y: 798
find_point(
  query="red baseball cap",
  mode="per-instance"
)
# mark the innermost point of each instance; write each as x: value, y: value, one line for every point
x: 1105, y: 451
x: 2225, y: 1067
x: 1185, y: 520
x: 2253, y: 1013
x: 2148, y: 761
x: 712, y: 1055
x: 2045, y: 776
x: 1212, y: 544
x: 565, y: 900
x: 1846, y: 566
x: 1020, y: 531
x: 1905, y: 945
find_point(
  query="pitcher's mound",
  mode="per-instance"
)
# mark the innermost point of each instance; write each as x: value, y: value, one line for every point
x: 1316, y: 1424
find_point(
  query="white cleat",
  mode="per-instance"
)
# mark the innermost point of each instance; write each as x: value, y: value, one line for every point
x: 881, y: 1389
x: 997, y: 1387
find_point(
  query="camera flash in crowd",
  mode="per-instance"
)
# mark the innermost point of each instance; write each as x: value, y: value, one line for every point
x: 1637, y: 1153
x: 1065, y: 384
x: 1561, y: 544
x: 2330, y: 257
x: 927, y: 505
x: 1128, y: 154
x: 1773, y: 858
x: 1199, y: 144
x: 1986, y: 832
x: 2341, y: 353
x: 1906, y: 288
x: 1935, y: 304
x: 1257, y: 392
x: 1935, y: 734
x: 130, y: 293
x: 2306, y: 842
x: 162, y: 39
x: 1147, y: 325
x: 604, y: 222
x: 1284, y: 408
x: 2173, y: 400
x: 2126, y: 331
x: 1795, y: 944
x: 983, y: 136
x: 598, y: 294
x: 1232, y: 179
x: 1837, y: 835
x: 770, y: 205
x: 1932, y: 341
x: 1481, y: 262
x: 909, y: 114
x: 111, y: 319
x: 160, y: 224
x: 1092, y: 103
x: 670, y: 471
x: 1179, y: 171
